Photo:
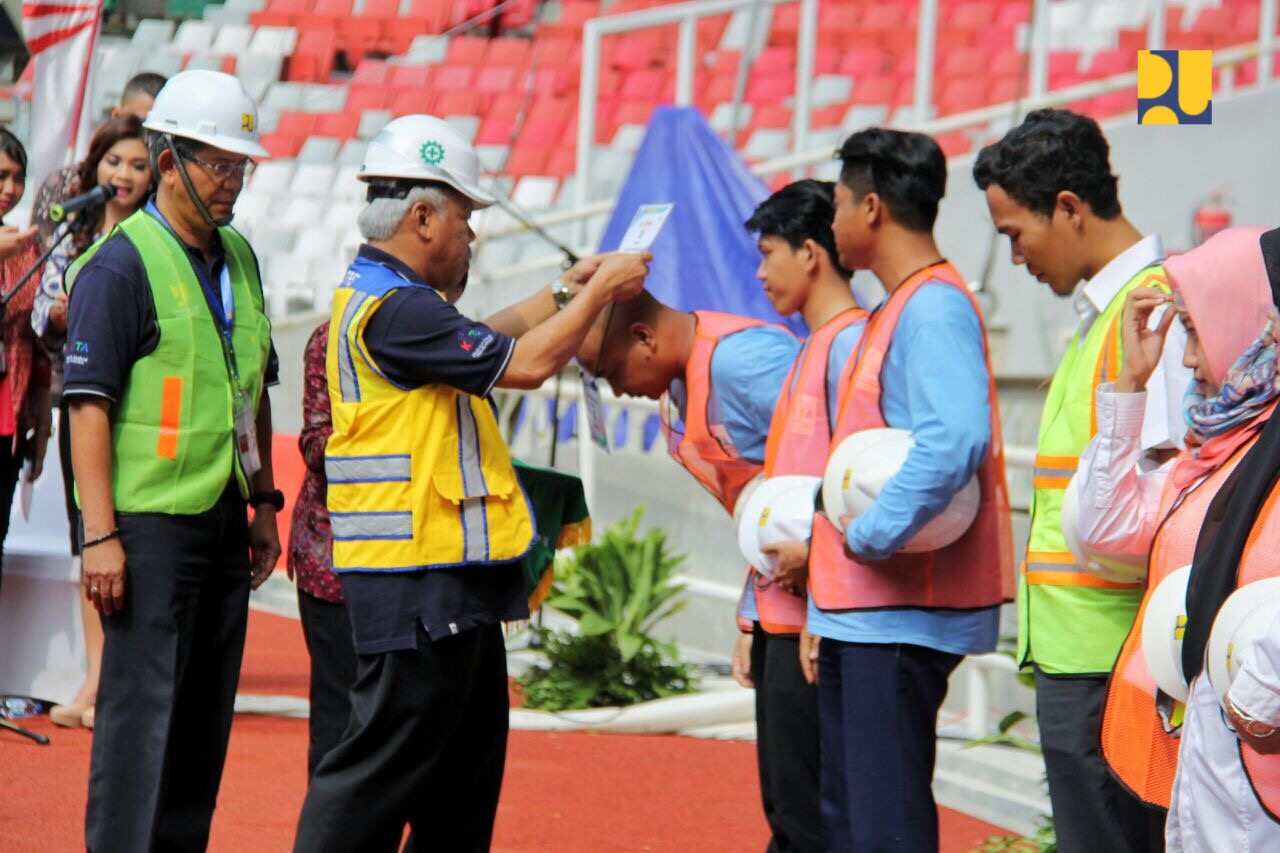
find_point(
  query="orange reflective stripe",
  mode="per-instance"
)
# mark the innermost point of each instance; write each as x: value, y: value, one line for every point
x: 1059, y: 483
x: 1059, y: 568
x: 1045, y: 461
x: 170, y: 418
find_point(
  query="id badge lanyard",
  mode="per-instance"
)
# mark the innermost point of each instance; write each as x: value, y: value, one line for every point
x: 223, y: 313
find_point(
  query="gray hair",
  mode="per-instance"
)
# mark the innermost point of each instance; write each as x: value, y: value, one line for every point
x: 157, y: 143
x: 383, y: 216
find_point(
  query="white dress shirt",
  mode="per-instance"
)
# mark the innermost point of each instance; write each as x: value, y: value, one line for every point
x: 1163, y: 426
x: 1213, y: 809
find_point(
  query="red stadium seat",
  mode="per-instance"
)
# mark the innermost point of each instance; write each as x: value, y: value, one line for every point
x: 829, y: 116
x: 416, y: 77
x: 268, y: 18
x: 766, y: 89
x: 562, y: 164
x: 632, y: 112
x: 294, y: 123
x: 1003, y: 89
x: 282, y: 145
x: 527, y: 160
x: 863, y: 61
x: 555, y: 51
x: 553, y: 109
x: 360, y: 98
x: 543, y: 133
x: 876, y: 89
x: 410, y: 102
x: 649, y: 83
x: 775, y: 60
x: 1013, y: 12
x: 457, y: 104
x: 371, y: 73
x: 454, y: 78
x: 881, y: 17
x: 342, y: 125
x: 1111, y: 62
x: 380, y: 9
x: 969, y: 61
x: 962, y: 94
x: 955, y: 143
x: 770, y: 116
x: 508, y: 51
x: 636, y: 51
x: 972, y: 15
x: 495, y: 131
x: 494, y: 80
x: 466, y: 50
x: 434, y: 14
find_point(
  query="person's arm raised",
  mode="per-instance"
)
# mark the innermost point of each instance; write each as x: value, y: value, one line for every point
x: 515, y: 320
x: 548, y: 346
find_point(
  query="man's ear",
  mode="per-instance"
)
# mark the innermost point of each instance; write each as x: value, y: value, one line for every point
x: 644, y: 336
x: 422, y: 215
x: 1072, y: 207
x: 873, y: 208
x: 812, y: 257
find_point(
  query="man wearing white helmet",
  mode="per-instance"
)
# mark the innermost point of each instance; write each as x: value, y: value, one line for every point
x: 169, y: 357
x: 428, y: 519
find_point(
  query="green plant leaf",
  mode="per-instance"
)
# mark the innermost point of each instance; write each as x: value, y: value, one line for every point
x: 593, y: 625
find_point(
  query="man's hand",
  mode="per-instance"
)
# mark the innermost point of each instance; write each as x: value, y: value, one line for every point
x: 792, y: 558
x: 102, y: 575
x: 12, y: 239
x: 264, y: 544
x: 1142, y: 346
x: 57, y: 322
x: 1269, y: 745
x: 622, y: 275
x: 580, y: 273
x: 742, y: 661
x: 809, y: 656
x: 40, y: 437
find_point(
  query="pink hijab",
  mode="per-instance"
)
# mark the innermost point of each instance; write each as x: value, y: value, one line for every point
x: 1223, y: 285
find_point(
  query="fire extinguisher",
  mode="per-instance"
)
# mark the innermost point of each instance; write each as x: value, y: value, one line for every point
x: 1210, y: 218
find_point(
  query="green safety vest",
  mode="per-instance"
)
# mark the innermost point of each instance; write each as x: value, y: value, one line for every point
x: 1071, y: 621
x: 173, y: 429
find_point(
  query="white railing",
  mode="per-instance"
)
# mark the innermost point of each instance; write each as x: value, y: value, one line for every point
x: 1228, y: 61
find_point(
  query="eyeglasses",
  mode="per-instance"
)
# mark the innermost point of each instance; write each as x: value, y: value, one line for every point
x: 224, y: 169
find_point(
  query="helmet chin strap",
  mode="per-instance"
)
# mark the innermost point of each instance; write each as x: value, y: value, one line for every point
x: 220, y: 222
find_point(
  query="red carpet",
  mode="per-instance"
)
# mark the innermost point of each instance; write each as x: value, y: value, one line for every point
x: 564, y: 793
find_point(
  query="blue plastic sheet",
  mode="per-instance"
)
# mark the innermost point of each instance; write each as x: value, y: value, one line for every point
x: 704, y: 258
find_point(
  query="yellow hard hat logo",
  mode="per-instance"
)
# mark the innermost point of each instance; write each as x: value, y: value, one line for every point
x: 246, y: 122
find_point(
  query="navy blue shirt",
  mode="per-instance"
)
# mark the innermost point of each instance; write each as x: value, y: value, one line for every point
x: 416, y: 338
x: 111, y: 318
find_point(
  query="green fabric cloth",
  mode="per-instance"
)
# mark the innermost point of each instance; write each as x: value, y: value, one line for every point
x: 560, y: 512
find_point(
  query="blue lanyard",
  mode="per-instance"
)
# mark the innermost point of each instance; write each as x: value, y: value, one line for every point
x: 224, y: 311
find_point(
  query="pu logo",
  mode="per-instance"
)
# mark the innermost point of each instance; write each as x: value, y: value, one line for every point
x: 246, y: 122
x: 848, y: 475
x: 764, y: 517
x: 1175, y: 87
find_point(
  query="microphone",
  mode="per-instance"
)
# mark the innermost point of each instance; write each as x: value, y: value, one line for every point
x: 100, y: 194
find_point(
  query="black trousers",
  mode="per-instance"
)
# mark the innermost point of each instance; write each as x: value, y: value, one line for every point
x: 426, y: 746
x: 786, y: 743
x: 170, y: 666
x: 68, y: 479
x: 327, y: 630
x: 879, y: 715
x: 1091, y: 811
x: 10, y: 470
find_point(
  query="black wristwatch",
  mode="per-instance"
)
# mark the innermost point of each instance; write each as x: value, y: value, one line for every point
x: 273, y: 499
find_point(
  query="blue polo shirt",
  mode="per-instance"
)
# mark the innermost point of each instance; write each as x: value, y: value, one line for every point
x: 935, y: 384
x: 416, y: 339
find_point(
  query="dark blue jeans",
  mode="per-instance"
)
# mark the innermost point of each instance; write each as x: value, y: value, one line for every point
x: 878, y: 712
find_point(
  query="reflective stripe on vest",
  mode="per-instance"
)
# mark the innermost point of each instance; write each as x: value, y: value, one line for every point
x: 799, y: 443
x: 976, y: 571
x: 710, y: 459
x: 418, y: 478
x: 173, y: 429
x: 1139, y: 730
x: 1069, y: 620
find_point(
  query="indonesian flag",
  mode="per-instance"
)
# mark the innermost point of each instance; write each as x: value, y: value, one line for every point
x: 61, y: 37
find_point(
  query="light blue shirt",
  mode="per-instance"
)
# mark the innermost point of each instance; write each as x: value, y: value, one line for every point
x: 748, y: 370
x: 934, y: 383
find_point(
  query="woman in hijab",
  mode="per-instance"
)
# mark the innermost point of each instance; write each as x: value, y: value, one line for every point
x: 1222, y: 296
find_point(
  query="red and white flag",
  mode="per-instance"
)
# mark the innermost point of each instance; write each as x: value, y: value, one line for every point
x: 61, y: 36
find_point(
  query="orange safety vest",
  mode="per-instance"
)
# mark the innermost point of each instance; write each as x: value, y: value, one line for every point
x: 1258, y: 561
x: 705, y: 450
x: 975, y: 571
x: 1139, y: 733
x: 799, y: 443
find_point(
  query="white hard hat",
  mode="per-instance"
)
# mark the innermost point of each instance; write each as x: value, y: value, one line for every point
x: 1117, y: 568
x: 1163, y: 623
x: 1245, y: 617
x: 425, y: 148
x: 743, y: 497
x: 209, y: 107
x: 778, y: 510
x: 860, y: 466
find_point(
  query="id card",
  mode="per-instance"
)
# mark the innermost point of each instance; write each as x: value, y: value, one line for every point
x: 644, y: 227
x: 247, y: 437
x: 595, y: 411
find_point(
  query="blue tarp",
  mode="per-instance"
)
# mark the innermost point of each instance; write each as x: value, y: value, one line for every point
x: 703, y: 258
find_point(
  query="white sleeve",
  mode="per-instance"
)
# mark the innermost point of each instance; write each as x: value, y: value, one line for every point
x: 1119, y: 504
x: 1162, y: 425
x: 1256, y: 688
